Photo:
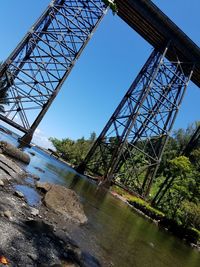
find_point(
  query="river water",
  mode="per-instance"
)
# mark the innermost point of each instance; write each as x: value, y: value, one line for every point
x: 115, y: 234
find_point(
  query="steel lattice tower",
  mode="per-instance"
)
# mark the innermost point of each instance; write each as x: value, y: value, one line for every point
x: 37, y: 68
x: 130, y: 146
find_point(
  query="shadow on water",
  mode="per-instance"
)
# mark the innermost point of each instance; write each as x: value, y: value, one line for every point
x: 115, y: 234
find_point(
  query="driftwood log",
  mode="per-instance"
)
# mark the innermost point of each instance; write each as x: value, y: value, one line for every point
x: 14, y: 152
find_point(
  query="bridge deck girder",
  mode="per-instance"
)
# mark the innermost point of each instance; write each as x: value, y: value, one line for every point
x: 157, y: 29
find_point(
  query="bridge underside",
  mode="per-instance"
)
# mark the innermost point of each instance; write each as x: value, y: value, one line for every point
x: 157, y: 29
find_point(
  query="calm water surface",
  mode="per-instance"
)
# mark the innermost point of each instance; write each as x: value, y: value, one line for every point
x: 115, y: 234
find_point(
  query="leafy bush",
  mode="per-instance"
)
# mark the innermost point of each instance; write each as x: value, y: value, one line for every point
x: 140, y: 204
x: 190, y: 214
x: 146, y: 208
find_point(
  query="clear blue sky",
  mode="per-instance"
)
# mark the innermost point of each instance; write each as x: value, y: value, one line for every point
x: 105, y: 70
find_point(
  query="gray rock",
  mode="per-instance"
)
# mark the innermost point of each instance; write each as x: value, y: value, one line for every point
x: 9, y: 169
x: 14, y: 152
x: 66, y: 202
x: 43, y: 186
x: 1, y: 183
x: 35, y: 177
x: 34, y: 211
x: 32, y: 256
x: 8, y: 214
x: 19, y: 194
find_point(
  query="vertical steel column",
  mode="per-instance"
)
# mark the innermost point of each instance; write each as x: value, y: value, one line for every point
x: 192, y: 143
x: 130, y: 146
x: 37, y: 68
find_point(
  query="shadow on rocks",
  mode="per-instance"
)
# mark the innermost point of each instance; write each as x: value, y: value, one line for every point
x: 38, y: 244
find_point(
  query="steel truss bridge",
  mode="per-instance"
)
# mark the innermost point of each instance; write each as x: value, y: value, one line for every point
x: 139, y: 128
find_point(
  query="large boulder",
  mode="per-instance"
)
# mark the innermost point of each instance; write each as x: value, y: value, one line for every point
x: 64, y: 201
x: 14, y: 152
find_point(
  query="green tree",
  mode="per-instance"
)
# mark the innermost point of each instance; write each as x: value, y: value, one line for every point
x: 189, y: 214
x: 73, y: 151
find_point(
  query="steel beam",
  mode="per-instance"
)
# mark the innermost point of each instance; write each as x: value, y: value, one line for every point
x: 130, y: 147
x: 194, y: 141
x: 38, y: 67
x: 156, y: 28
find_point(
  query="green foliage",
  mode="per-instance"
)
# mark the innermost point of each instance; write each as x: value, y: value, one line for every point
x: 139, y: 203
x: 72, y: 151
x: 146, y: 208
x: 180, y: 166
x: 111, y: 4
x: 190, y: 214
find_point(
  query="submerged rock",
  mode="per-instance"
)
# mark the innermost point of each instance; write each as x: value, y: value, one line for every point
x: 64, y: 201
x: 39, y: 169
x: 19, y: 194
x: 32, y: 153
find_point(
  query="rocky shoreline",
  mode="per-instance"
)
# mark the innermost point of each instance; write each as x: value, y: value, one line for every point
x: 37, y: 236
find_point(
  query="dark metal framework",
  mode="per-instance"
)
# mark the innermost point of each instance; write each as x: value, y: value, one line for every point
x: 37, y: 68
x: 194, y: 141
x: 130, y: 146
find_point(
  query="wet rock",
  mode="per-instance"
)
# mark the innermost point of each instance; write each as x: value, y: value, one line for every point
x: 19, y: 194
x: 14, y: 152
x: 66, y: 202
x: 35, y: 177
x: 32, y: 256
x: 8, y: 214
x: 88, y: 260
x: 44, y: 187
x: 1, y: 183
x: 9, y: 169
x: 34, y: 212
x: 32, y: 153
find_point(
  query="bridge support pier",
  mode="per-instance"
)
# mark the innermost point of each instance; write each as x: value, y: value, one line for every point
x: 130, y: 147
